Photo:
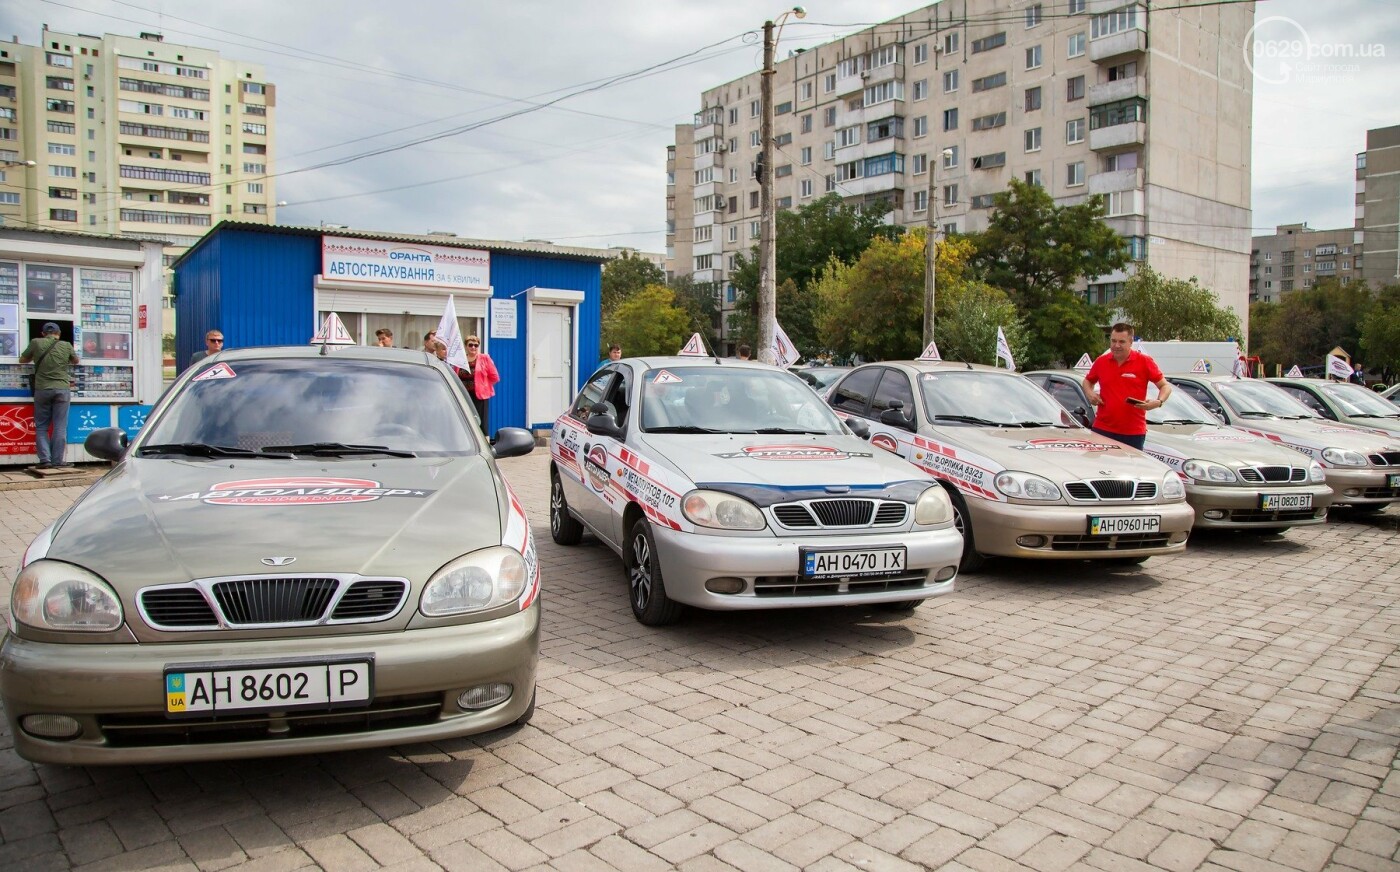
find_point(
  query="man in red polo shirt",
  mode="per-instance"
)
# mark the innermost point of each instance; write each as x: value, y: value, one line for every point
x: 1122, y: 376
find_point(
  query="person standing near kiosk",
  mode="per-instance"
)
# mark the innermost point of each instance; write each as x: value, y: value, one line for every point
x: 51, y: 356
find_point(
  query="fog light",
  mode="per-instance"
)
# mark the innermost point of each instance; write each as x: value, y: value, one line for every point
x: 1031, y: 541
x: 1214, y: 514
x: 1352, y: 491
x: 1178, y: 537
x: 725, y: 584
x: 945, y: 573
x: 484, y: 696
x: 50, y: 726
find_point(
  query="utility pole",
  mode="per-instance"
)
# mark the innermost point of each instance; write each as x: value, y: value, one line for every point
x: 930, y: 253
x: 767, y: 256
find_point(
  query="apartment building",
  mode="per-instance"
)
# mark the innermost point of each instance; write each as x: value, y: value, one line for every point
x: 1295, y: 257
x: 940, y: 108
x: 1378, y: 206
x: 133, y: 137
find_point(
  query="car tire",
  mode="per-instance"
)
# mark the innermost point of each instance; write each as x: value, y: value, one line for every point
x: 529, y: 711
x: 646, y: 590
x: 972, y: 560
x: 564, y: 528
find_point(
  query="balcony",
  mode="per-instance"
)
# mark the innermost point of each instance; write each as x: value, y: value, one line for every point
x: 883, y: 183
x: 1107, y: 49
x: 1119, y: 136
x: 1118, y: 180
x: 848, y: 85
x: 713, y: 130
x: 709, y: 159
x: 884, y: 73
x: 1123, y: 89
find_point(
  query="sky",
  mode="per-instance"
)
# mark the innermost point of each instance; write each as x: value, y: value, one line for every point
x: 360, y: 76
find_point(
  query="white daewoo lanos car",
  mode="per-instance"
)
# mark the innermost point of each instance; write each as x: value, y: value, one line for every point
x: 729, y: 485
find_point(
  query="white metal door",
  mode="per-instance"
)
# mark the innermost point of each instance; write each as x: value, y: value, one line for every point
x: 551, y: 376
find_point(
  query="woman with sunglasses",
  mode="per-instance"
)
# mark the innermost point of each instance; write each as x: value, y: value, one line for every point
x: 480, y: 378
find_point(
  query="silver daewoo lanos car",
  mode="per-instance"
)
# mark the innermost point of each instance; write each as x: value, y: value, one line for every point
x: 300, y: 552
x: 729, y: 485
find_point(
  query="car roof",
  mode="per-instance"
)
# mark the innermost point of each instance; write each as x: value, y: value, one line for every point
x: 1213, y: 378
x: 1308, y: 381
x: 344, y: 352
x: 1074, y: 373
x: 941, y: 366
x: 674, y: 361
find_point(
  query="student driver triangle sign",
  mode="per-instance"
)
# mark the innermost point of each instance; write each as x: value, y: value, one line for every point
x: 333, y: 332
x: 695, y: 347
x: 931, y: 352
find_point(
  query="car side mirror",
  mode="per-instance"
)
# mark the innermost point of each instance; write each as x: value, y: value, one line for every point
x: 512, y: 442
x: 858, y: 427
x: 109, y: 443
x: 601, y: 421
x: 1214, y: 409
x: 1081, y: 414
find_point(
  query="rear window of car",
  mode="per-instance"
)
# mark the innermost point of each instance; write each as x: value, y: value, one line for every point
x: 252, y: 404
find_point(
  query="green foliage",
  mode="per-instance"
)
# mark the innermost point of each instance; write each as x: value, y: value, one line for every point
x: 1162, y: 309
x: 1380, y: 332
x: 167, y: 343
x: 649, y: 321
x: 969, y: 314
x: 624, y: 276
x: 1061, y: 330
x: 700, y: 300
x: 1307, y: 324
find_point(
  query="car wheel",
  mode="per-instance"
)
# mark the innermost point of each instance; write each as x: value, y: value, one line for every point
x: 971, y: 559
x: 529, y: 711
x: 646, y: 590
x: 564, y: 528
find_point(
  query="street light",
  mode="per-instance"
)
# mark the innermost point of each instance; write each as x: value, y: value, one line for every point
x: 930, y: 250
x: 18, y: 163
x: 767, y: 260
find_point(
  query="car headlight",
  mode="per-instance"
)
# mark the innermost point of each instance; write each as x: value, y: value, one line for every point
x: 1204, y: 470
x: 1025, y: 486
x: 1172, y: 488
x: 933, y: 507
x: 722, y: 511
x: 1316, y: 472
x: 1343, y: 457
x: 474, y: 582
x: 50, y: 595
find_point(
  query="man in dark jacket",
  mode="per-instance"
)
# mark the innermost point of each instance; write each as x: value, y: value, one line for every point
x: 51, y: 357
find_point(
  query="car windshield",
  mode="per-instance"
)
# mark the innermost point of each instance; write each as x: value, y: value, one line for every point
x: 278, y: 405
x: 989, y: 399
x: 1180, y: 408
x: 822, y: 376
x: 1357, y: 401
x: 717, y: 399
x: 1251, y: 398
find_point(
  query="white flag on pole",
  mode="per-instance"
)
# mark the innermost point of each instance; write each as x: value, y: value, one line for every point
x: 1338, y: 368
x: 784, y: 354
x: 1241, y: 367
x: 451, y: 335
x: 1084, y: 364
x: 333, y: 332
x: 1295, y: 372
x: 931, y: 353
x: 1004, y: 351
x: 694, y: 347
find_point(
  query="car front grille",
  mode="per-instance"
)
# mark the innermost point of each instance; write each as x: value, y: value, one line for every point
x: 1385, y: 458
x: 244, y: 602
x: 1123, y: 542
x: 840, y: 513
x: 793, y: 585
x: 1380, y: 493
x: 156, y: 730
x: 1092, y: 490
x: 1257, y: 474
x: 1261, y: 516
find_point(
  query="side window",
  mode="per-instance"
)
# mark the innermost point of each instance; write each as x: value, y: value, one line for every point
x: 1066, y: 395
x: 894, y: 385
x: 853, y: 392
x: 591, y: 395
x: 1203, y: 396
x: 1305, y: 396
x: 619, y: 395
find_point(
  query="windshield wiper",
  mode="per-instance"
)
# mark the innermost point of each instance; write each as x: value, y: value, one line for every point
x: 1257, y: 415
x: 797, y: 431
x: 1177, y: 421
x: 201, y: 449
x: 685, y: 429
x: 1033, y: 424
x: 339, y: 449
x: 1374, y: 415
x: 967, y: 419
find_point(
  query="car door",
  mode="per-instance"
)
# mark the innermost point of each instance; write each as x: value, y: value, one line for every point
x: 1203, y: 395
x: 886, y: 430
x: 580, y: 488
x: 1070, y: 394
x: 851, y: 396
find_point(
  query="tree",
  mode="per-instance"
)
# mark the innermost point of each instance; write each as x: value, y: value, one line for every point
x: 700, y: 300
x: 626, y: 275
x: 1380, y: 332
x: 1062, y: 330
x: 968, y: 317
x: 1311, y: 322
x: 649, y: 321
x: 1163, y: 309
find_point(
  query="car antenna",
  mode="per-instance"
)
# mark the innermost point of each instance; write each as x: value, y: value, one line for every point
x: 969, y: 366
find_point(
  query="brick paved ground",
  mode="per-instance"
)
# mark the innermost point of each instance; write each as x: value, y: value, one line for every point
x: 1237, y: 707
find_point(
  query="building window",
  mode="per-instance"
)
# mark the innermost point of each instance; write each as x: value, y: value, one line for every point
x: 806, y: 155
x: 1076, y: 7
x: 989, y: 161
x: 254, y: 168
x: 1074, y: 176
x: 847, y: 171
x: 920, y: 52
x: 884, y: 92
x: 733, y: 232
x: 9, y: 198
x: 755, y: 228
x: 753, y: 109
x: 1137, y: 247
x: 754, y: 141
x: 987, y: 122
x: 62, y: 148
x: 55, y: 105
x: 1074, y: 89
x: 1033, y: 57
x: 58, y: 60
x: 254, y: 88
x: 829, y: 83
x: 829, y: 150
x: 1076, y: 45
x: 63, y: 215
x: 830, y: 182
x: 255, y: 187
x: 1033, y: 178
x: 950, y: 157
x: 950, y: 81
x: 921, y: 126
x: 1113, y: 22
x: 950, y: 195
x: 1074, y: 131
x: 63, y: 172
x: 982, y: 201
x: 753, y: 199
x: 783, y: 171
x: 920, y: 201
x: 885, y: 128
x: 1032, y: 138
x: 805, y: 188
x: 951, y: 42
x: 1128, y: 160
x: 829, y: 118
x: 987, y: 43
x: 783, y: 108
x: 921, y: 89
x: 1033, y: 16
x: 807, y: 123
x: 806, y: 90
x: 259, y: 129
x: 884, y: 164
x: 848, y: 136
x: 1121, y: 112
x: 920, y: 164
x: 987, y: 83
x: 1032, y: 99
x: 950, y: 119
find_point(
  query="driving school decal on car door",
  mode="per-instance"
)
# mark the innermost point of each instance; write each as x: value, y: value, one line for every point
x: 968, y: 471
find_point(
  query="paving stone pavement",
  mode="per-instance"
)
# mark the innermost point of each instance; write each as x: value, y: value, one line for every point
x: 1236, y: 707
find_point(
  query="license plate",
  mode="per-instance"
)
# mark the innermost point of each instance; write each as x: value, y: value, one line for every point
x: 1392, y: 480
x: 224, y: 688
x: 1285, y: 501
x: 1115, y: 525
x: 852, y: 562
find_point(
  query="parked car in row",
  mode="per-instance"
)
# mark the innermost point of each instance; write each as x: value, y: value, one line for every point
x: 1362, y: 466
x: 729, y: 485
x: 1233, y: 479
x: 1025, y: 479
x: 299, y: 552
x: 1344, y: 402
x: 821, y: 378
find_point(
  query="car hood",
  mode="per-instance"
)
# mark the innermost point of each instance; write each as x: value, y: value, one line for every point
x: 161, y: 521
x: 1387, y: 426
x: 1226, y: 445
x: 1311, y: 435
x: 1057, y: 453
x: 787, y: 461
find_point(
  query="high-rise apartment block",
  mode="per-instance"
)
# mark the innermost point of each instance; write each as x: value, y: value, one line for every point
x: 940, y: 108
x: 1378, y: 206
x: 134, y: 137
x: 1295, y: 257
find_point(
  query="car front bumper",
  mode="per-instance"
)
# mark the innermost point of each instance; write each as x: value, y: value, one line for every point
x: 1237, y: 508
x: 1365, y: 487
x: 769, y: 568
x: 997, y: 527
x: 117, y: 693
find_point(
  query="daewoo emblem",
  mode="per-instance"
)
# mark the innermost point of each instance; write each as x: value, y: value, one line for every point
x: 278, y: 561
